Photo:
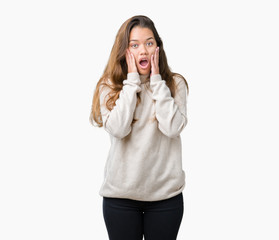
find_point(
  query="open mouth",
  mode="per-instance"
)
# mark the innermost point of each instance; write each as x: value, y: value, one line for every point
x: 144, y: 63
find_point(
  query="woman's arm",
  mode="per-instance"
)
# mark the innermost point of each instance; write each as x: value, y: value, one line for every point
x: 171, y: 113
x: 118, y: 121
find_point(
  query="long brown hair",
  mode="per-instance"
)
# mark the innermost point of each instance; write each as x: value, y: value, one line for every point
x: 117, y: 69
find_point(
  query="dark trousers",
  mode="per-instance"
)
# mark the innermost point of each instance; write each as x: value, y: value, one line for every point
x: 128, y: 219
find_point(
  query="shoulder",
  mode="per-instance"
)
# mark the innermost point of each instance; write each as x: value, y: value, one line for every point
x: 178, y: 78
x: 105, y: 89
x: 106, y: 85
x: 180, y: 81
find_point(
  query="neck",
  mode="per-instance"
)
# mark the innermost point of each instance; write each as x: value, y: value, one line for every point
x: 144, y: 78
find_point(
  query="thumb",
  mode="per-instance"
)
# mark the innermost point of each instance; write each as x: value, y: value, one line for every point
x: 152, y: 64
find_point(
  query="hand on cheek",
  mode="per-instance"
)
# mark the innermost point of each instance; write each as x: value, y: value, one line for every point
x: 131, y: 62
x: 155, y: 63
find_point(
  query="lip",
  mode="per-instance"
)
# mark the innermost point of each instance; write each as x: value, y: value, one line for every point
x: 148, y: 62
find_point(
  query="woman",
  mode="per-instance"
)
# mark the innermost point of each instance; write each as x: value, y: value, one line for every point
x: 142, y: 105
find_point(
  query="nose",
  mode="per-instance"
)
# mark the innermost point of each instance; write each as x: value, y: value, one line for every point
x: 143, y: 50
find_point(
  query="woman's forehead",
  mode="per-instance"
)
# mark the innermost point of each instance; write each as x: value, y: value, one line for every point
x: 140, y: 34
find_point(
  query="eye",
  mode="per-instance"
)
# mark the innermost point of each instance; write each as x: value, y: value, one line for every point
x: 134, y: 45
x: 149, y: 43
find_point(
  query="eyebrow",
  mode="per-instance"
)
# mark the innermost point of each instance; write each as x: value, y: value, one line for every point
x: 138, y: 40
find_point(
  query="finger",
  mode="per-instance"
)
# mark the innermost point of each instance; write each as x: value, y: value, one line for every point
x: 128, y: 60
x: 152, y: 61
x: 130, y: 57
x: 133, y: 58
x: 157, y: 56
x: 154, y: 57
x: 127, y: 54
x: 152, y: 65
x: 134, y: 63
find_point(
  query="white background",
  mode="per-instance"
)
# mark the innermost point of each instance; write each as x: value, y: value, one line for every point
x: 52, y: 159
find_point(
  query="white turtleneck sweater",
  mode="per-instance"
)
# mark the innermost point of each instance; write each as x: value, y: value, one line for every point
x: 145, y: 162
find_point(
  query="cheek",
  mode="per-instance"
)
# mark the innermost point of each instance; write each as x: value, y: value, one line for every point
x: 152, y: 51
x: 133, y: 51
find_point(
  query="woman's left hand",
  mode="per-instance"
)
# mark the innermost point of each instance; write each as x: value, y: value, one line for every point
x: 155, y: 63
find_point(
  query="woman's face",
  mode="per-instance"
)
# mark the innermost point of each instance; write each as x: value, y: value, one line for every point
x: 142, y: 45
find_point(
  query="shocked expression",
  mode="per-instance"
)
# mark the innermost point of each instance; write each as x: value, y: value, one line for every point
x: 142, y: 45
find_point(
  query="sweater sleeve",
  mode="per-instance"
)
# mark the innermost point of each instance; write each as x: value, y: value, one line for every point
x: 171, y: 113
x: 117, y: 122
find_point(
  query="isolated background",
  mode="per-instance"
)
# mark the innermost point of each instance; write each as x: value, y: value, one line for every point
x: 52, y: 54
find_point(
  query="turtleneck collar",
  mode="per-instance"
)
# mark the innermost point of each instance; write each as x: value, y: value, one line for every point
x: 144, y: 78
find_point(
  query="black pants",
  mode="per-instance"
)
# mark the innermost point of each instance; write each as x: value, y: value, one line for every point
x: 128, y: 219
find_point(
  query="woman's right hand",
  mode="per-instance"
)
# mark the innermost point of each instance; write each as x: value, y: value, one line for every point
x: 131, y: 62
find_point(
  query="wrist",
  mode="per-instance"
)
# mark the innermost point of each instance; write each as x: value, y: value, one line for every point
x: 132, y: 75
x: 155, y: 77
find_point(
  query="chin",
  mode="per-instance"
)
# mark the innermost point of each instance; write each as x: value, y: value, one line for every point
x: 144, y: 72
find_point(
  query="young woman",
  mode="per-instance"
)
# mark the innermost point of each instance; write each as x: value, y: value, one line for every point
x: 142, y: 105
